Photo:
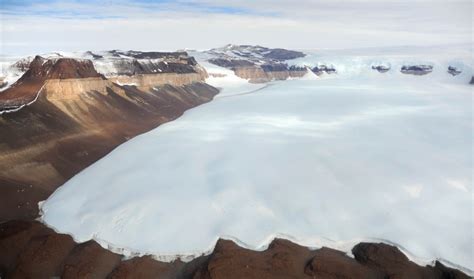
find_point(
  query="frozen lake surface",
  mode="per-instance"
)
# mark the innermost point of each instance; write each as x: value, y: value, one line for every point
x: 322, y: 161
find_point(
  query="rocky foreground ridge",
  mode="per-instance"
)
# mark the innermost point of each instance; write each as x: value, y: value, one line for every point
x: 31, y: 250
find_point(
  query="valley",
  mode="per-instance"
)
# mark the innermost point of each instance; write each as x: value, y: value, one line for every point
x: 277, y: 154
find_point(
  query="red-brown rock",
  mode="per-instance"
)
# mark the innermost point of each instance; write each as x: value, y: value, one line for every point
x: 146, y: 267
x: 333, y: 264
x: 89, y: 260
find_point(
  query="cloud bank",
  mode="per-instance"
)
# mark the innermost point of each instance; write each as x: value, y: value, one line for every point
x: 30, y: 27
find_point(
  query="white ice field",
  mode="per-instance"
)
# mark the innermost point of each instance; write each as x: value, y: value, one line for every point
x: 330, y: 161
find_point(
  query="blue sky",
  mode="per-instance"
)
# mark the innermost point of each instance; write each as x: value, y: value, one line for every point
x: 87, y: 8
x: 30, y: 27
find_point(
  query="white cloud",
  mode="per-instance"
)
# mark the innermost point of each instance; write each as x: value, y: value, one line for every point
x: 284, y: 23
x: 414, y: 190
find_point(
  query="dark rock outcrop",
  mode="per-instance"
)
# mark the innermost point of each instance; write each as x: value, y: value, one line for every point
x: 381, y: 68
x: 472, y: 80
x: 392, y: 262
x: 231, y: 63
x: 454, y: 71
x: 28, y: 249
x: 321, y: 69
x: 281, y: 54
x: 60, y: 68
x: 93, y: 55
x: 149, y: 54
x: 257, y: 53
x: 417, y: 70
x: 136, y: 67
x: 275, y: 67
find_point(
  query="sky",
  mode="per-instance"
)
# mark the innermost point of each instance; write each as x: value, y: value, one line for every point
x: 30, y: 27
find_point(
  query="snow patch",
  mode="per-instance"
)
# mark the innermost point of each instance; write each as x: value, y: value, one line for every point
x: 22, y: 106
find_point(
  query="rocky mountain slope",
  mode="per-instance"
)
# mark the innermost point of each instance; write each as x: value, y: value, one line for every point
x: 126, y: 66
x: 62, y: 115
x: 256, y: 63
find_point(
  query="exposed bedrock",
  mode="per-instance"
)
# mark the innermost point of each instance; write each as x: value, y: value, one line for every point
x: 472, y: 80
x: 150, y: 54
x: 127, y: 66
x: 393, y: 263
x: 256, y: 53
x: 454, y: 71
x: 260, y: 73
x: 417, y: 70
x: 281, y: 54
x: 381, y: 68
x: 231, y: 63
x: 257, y: 64
x: 124, y: 62
x: 323, y: 69
x: 265, y: 73
x: 28, y: 249
x: 29, y: 84
x: 148, y: 81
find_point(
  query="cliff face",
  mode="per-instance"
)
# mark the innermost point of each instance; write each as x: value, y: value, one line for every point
x: 256, y: 63
x: 132, y: 63
x: 148, y: 81
x: 40, y: 70
x: 257, y: 74
x: 146, y: 70
x: 142, y: 69
x: 75, y: 116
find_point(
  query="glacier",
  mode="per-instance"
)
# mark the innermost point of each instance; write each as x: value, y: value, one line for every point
x: 323, y: 161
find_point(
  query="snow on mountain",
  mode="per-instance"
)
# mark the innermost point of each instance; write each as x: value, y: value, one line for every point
x: 360, y: 63
x: 330, y: 160
x: 11, y: 69
x: 255, y: 54
x: 110, y: 63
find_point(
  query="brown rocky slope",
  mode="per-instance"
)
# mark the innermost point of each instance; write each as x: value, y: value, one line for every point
x: 78, y: 117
